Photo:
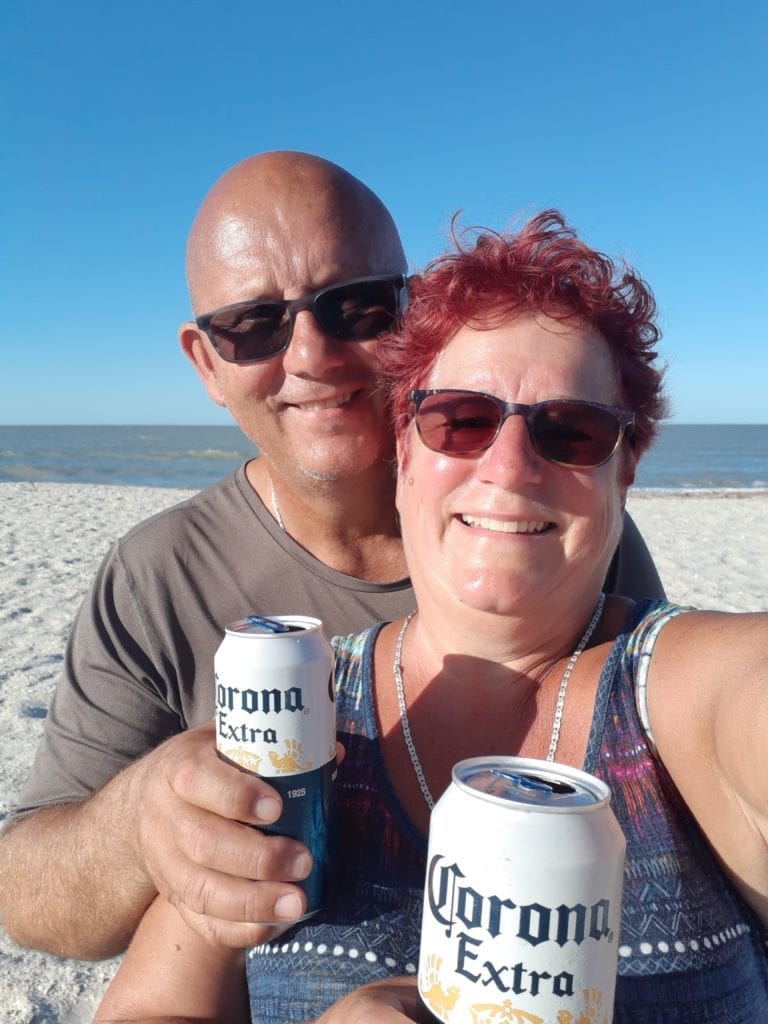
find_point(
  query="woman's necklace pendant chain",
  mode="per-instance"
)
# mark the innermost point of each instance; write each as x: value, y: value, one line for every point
x: 567, y: 675
x: 397, y: 671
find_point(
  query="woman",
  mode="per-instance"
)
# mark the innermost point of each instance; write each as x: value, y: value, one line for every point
x: 524, y: 393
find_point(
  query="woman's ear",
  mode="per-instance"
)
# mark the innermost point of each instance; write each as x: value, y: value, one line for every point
x: 630, y: 468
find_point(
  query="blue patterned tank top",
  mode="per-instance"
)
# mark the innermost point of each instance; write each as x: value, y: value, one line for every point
x: 691, y: 951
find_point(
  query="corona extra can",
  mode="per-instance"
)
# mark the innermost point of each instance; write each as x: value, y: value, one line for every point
x: 276, y: 717
x: 522, y: 901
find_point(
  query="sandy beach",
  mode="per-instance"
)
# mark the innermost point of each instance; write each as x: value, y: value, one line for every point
x: 711, y: 551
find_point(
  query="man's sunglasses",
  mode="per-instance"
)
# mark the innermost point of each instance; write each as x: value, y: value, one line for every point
x: 564, y: 431
x: 249, y: 332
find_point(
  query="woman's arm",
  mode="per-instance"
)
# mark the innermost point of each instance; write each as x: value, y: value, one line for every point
x: 170, y: 974
x: 708, y: 707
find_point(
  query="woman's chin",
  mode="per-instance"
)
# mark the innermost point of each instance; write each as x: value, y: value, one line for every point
x: 490, y: 595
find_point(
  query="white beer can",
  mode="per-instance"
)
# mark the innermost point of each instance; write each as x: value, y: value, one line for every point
x: 522, y: 901
x: 276, y: 717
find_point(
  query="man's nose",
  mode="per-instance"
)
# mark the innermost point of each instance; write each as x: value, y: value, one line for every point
x: 312, y: 352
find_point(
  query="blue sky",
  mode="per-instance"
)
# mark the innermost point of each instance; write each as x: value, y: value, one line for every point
x: 644, y: 122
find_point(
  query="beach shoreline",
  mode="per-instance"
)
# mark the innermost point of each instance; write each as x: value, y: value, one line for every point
x: 711, y: 549
x: 637, y: 494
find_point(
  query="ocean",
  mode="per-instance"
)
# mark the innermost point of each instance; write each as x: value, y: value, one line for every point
x: 685, y: 458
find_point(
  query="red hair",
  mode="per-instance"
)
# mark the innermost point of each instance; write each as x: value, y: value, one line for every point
x: 544, y: 268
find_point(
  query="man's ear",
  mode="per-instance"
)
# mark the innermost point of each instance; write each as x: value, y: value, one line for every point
x: 403, y: 457
x: 199, y: 351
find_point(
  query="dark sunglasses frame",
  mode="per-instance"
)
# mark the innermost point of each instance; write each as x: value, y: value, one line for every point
x: 624, y: 421
x: 310, y: 302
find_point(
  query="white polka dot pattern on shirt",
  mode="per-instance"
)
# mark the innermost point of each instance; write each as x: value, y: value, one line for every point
x: 707, y: 941
x: 322, y: 950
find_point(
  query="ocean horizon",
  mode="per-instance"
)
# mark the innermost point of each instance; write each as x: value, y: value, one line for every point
x: 686, y: 457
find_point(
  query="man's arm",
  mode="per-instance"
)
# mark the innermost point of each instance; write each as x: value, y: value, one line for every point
x: 59, y: 859
x: 75, y: 880
x: 65, y: 862
x: 121, y: 801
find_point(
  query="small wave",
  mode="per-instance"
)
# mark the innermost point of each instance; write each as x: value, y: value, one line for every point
x: 212, y: 453
x: 183, y: 453
x: 700, y: 492
x: 191, y: 453
x: 23, y: 472
x: 175, y: 455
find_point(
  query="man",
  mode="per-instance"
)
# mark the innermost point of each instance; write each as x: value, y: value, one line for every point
x: 127, y: 797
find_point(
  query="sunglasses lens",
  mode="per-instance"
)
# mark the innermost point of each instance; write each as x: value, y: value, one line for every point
x: 356, y: 311
x: 458, y: 424
x: 574, y: 434
x: 568, y: 433
x: 250, y: 333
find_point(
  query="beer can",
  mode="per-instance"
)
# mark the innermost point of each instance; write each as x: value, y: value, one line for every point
x: 522, y: 900
x: 276, y: 717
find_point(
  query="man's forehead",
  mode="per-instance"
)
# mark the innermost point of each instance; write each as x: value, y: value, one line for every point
x: 234, y: 239
x: 251, y: 259
x: 283, y: 225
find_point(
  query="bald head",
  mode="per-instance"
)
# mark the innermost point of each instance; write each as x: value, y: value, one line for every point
x: 286, y: 221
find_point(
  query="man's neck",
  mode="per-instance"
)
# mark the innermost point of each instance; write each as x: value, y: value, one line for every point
x: 350, y: 525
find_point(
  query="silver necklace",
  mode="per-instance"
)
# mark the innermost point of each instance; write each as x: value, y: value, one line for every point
x: 276, y: 507
x: 567, y: 675
x: 397, y: 671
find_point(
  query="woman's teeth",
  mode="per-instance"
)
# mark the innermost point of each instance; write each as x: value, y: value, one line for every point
x: 504, y: 525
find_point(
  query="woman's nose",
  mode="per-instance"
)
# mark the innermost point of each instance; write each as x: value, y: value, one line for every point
x: 512, y: 457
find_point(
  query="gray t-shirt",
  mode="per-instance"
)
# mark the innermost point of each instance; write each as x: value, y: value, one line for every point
x: 139, y: 663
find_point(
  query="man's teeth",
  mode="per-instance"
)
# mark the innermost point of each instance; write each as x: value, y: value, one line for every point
x: 504, y: 526
x: 329, y: 403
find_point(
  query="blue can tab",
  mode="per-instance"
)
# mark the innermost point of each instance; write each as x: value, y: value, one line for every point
x: 267, y: 625
x: 531, y: 782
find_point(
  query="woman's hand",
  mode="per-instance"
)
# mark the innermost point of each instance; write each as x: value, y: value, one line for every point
x: 382, y: 1002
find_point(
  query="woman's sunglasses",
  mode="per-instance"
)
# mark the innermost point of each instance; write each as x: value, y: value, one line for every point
x: 564, y: 431
x: 249, y: 332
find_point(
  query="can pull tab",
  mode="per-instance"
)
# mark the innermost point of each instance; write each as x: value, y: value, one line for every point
x: 534, y: 782
x: 267, y: 625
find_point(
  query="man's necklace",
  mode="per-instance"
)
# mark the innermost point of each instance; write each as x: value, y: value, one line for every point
x: 397, y: 671
x: 276, y: 507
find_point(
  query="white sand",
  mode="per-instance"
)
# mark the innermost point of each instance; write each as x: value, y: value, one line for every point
x: 712, y: 551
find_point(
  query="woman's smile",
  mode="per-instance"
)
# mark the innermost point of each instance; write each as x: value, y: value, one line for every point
x: 524, y: 526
